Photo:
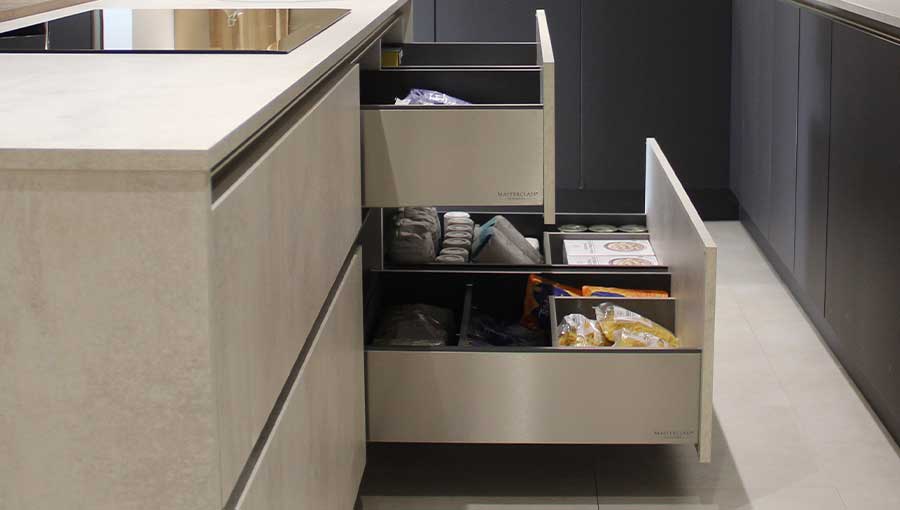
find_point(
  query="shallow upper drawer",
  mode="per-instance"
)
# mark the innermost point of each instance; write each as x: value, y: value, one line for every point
x: 492, y: 153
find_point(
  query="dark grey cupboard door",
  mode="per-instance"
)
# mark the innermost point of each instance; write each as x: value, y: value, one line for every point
x: 813, y: 136
x: 423, y: 20
x: 513, y: 20
x: 756, y: 171
x: 740, y: 47
x: 863, y: 274
x: 656, y: 69
x: 785, y: 82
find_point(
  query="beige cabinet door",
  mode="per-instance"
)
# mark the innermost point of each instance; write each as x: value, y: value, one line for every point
x: 316, y: 453
x: 280, y: 234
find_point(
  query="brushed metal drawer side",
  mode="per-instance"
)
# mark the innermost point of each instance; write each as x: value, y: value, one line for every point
x: 577, y: 397
x: 683, y: 243
x: 453, y: 157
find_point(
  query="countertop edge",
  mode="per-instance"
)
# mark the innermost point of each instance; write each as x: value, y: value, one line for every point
x: 880, y: 22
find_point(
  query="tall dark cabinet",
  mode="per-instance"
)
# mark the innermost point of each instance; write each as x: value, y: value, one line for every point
x: 655, y: 69
x: 813, y: 139
x: 816, y: 166
x: 626, y: 70
x: 863, y: 277
x: 785, y: 83
x: 756, y: 19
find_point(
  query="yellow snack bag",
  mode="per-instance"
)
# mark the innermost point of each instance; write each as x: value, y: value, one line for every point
x: 625, y: 328
x: 595, y: 291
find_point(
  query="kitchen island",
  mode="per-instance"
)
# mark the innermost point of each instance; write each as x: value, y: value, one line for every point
x: 180, y: 280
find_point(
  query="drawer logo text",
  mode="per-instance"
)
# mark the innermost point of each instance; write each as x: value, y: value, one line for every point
x: 517, y: 196
x: 674, y: 435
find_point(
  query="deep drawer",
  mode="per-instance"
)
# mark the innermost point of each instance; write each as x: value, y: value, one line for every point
x: 545, y: 394
x: 533, y: 397
x: 535, y: 394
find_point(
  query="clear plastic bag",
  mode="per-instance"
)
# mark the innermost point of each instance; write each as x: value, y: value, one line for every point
x: 627, y: 329
x: 485, y: 330
x: 416, y: 325
x: 430, y: 97
x: 579, y: 331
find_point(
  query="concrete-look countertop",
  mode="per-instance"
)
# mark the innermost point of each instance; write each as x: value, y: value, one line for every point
x: 12, y: 9
x: 159, y: 112
x: 883, y: 11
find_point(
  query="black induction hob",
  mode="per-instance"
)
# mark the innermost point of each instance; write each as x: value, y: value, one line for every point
x: 262, y: 31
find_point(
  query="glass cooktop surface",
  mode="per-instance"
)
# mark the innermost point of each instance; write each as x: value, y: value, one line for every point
x: 175, y: 31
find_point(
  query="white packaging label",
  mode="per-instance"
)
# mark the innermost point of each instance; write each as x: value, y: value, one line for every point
x: 622, y: 314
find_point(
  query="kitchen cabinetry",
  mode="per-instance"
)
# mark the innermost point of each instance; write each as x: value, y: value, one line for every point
x: 626, y: 71
x: 765, y: 119
x: 273, y: 263
x: 423, y: 22
x: 813, y: 136
x: 785, y: 82
x: 757, y: 70
x: 493, y: 387
x: 827, y: 139
x: 862, y: 278
x: 655, y: 69
x: 407, y: 401
x: 317, y: 450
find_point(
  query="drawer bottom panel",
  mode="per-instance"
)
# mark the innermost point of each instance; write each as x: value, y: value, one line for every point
x: 571, y: 397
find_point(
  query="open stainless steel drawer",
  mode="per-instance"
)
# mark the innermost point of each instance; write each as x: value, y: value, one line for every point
x: 498, y: 151
x: 536, y: 394
x: 542, y: 394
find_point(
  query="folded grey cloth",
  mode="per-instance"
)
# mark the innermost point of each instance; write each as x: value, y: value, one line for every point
x: 461, y: 252
x: 416, y: 235
x: 496, y: 248
x: 516, y: 237
x: 499, y: 242
x: 458, y: 235
x: 450, y: 259
x: 427, y: 215
x: 411, y: 248
x: 458, y: 243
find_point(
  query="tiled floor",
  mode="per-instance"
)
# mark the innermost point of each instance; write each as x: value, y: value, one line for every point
x: 791, y: 432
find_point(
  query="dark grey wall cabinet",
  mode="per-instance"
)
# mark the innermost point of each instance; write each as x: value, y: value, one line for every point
x: 655, y: 69
x: 785, y: 82
x: 626, y: 70
x: 423, y: 20
x: 863, y: 276
x: 816, y: 164
x: 757, y: 109
x: 513, y: 20
x: 813, y: 136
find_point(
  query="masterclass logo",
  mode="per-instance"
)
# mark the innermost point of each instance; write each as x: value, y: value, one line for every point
x: 518, y: 196
x: 674, y: 435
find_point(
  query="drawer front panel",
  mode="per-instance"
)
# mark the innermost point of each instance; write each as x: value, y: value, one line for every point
x: 519, y: 397
x: 315, y: 455
x: 280, y: 235
x: 457, y: 157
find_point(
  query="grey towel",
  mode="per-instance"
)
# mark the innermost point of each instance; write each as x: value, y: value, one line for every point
x: 516, y: 237
x: 496, y: 248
